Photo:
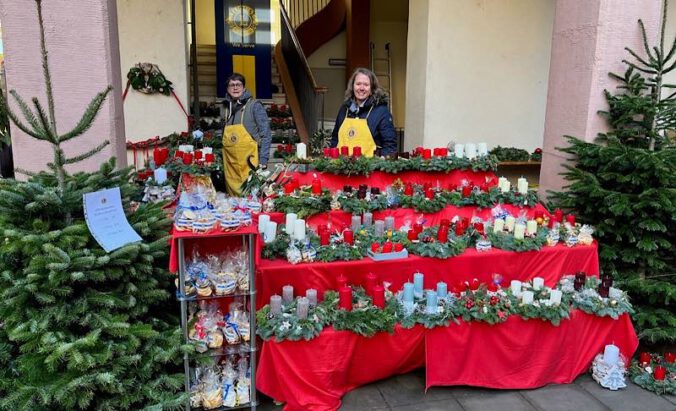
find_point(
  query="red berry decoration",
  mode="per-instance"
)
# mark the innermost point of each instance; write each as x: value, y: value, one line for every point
x: 494, y: 300
x: 469, y: 304
x: 398, y: 247
x: 387, y: 247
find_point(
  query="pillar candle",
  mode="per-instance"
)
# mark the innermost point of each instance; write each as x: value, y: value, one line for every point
x: 316, y: 186
x: 644, y: 358
x: 302, y: 307
x: 501, y: 182
x: 379, y: 228
x: 660, y: 373
x: 301, y: 150
x: 345, y: 295
x: 670, y: 357
x: 482, y: 149
x: 348, y: 237
x: 287, y: 294
x: 275, y: 304
x: 570, y: 219
x: 335, y: 153
x: 426, y: 154
x: 207, y: 150
x: 290, y: 222
x: 515, y: 286
x: 412, y: 235
x: 558, y: 215
x: 371, y: 280
x: 356, y: 223
x: 459, y: 150
x: 324, y: 237
x: 506, y: 186
x: 418, y: 283
x: 299, y: 229
x: 527, y: 297
x: 189, y: 148
x: 311, y: 295
x: 198, y: 155
x: 522, y: 185
x: 209, y: 158
x: 356, y: 151
x: 408, y: 292
x: 470, y: 150
x: 555, y: 297
x: 519, y: 231
x: 538, y: 283
x: 379, y: 296
x: 263, y: 221
x: 442, y: 289
x: 431, y: 307
x: 611, y: 354
x: 531, y: 227
x: 389, y: 223
x: 368, y: 219
x: 341, y: 280
x: 160, y: 175
x: 270, y: 233
x: 344, y: 151
x: 442, y: 234
x: 187, y: 158
x: 498, y: 225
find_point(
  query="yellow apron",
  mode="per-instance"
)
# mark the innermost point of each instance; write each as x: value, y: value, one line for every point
x: 355, y: 132
x: 238, y: 146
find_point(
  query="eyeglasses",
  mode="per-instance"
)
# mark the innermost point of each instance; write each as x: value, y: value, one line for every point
x: 235, y: 85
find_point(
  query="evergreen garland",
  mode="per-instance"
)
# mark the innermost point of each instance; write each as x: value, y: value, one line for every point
x: 540, y: 308
x: 304, y: 203
x: 485, y: 306
x: 365, y: 166
x: 644, y: 379
x: 421, y: 204
x: 287, y: 325
x: 354, y: 205
x: 506, y: 241
x: 510, y: 154
x: 624, y: 184
x: 428, y: 246
x: 364, y: 319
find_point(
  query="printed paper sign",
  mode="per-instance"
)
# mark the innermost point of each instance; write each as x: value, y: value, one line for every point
x: 106, y: 220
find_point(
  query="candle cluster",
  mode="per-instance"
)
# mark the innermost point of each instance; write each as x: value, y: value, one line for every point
x: 470, y: 150
x: 372, y: 286
x: 188, y: 155
x: 527, y: 292
x: 303, y: 304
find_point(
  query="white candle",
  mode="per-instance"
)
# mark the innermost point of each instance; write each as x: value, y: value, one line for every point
x: 160, y: 175
x: 389, y: 223
x: 531, y: 227
x: 290, y: 222
x: 275, y: 305
x: 519, y: 231
x: 501, y: 182
x: 356, y: 223
x: 522, y: 185
x: 189, y: 148
x: 538, y: 282
x: 263, y: 221
x: 299, y: 229
x: 509, y: 223
x: 207, y: 150
x: 287, y: 294
x: 515, y: 285
x: 498, y: 225
x: 379, y: 228
x: 614, y: 293
x: 311, y: 295
x: 302, y: 307
x: 611, y: 354
x: 270, y: 233
x: 555, y: 297
x: 368, y: 219
x: 506, y: 186
x: 483, y: 149
x: 470, y: 150
x: 459, y: 150
x: 301, y: 150
x: 527, y: 297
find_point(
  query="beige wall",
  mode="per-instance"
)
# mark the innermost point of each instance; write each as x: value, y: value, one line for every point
x: 486, y: 70
x: 154, y: 31
x: 332, y: 77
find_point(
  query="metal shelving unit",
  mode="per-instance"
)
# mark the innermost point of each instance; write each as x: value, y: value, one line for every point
x: 248, y: 241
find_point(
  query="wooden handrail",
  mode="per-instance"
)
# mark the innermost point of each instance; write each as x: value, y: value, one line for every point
x: 299, y: 49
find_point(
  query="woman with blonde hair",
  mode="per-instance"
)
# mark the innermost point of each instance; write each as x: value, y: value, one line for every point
x: 364, y: 119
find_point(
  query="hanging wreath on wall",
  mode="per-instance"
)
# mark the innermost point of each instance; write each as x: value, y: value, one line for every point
x: 147, y: 78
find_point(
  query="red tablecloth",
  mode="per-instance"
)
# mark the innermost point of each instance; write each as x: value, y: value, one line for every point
x: 382, y: 180
x: 314, y: 375
x: 549, y: 263
x: 522, y: 354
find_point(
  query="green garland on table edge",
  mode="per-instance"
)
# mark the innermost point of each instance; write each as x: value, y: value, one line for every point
x: 304, y: 203
x: 427, y: 244
x: 364, y: 319
x: 510, y: 154
x: 354, y: 205
x: 589, y: 300
x: 365, y: 166
x: 288, y: 326
x: 540, y: 308
x: 646, y: 380
x: 506, y: 241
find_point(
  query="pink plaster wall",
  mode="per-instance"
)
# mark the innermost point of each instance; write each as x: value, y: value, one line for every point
x: 82, y: 42
x: 588, y: 41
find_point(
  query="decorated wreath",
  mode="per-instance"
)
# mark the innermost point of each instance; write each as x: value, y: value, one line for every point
x: 147, y: 78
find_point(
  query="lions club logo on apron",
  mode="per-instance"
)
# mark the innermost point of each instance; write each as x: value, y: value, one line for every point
x: 233, y: 138
x: 351, y: 133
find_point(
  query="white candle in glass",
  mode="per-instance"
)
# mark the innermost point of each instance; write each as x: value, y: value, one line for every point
x: 538, y: 283
x: 498, y: 225
x: 506, y: 186
x: 301, y: 150
x: 263, y: 221
x: 555, y: 297
x: 531, y: 227
x: 519, y: 231
x: 470, y: 150
x: 527, y: 297
x: 287, y: 294
x: 483, y: 149
x: 611, y: 354
x: 275, y: 304
x: 311, y: 295
x: 509, y: 223
x: 299, y: 229
x: 270, y: 232
x: 290, y: 222
x: 515, y: 285
x: 522, y: 185
x: 459, y: 150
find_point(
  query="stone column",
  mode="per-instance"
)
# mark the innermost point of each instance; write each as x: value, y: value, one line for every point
x: 588, y: 42
x: 84, y: 59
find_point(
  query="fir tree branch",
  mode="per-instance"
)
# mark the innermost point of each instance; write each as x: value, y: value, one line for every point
x: 637, y: 57
x: 51, y: 137
x: 88, y: 118
x: 37, y: 131
x: 45, y: 68
x: 86, y: 155
x: 639, y: 68
x: 644, y: 37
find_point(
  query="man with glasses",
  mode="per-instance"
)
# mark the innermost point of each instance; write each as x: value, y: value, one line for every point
x: 246, y: 135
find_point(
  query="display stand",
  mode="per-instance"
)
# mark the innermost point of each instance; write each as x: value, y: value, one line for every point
x: 248, y: 238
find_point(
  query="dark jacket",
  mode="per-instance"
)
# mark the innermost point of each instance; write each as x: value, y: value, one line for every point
x: 256, y: 121
x: 379, y: 121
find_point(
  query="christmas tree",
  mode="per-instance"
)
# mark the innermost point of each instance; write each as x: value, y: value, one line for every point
x: 81, y: 328
x: 624, y: 185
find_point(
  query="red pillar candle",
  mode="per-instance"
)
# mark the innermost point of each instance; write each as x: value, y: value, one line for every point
x: 459, y: 229
x: 443, y: 152
x: 398, y: 247
x: 187, y: 158
x: 209, y: 158
x: 324, y: 237
x: 445, y: 222
x: 408, y: 189
x: 442, y: 234
x: 157, y: 157
x: 327, y: 152
x: 371, y: 280
x: 558, y: 215
x: 345, y: 294
x: 379, y: 296
x: 344, y: 151
x: 429, y: 193
x: 348, y: 237
x: 412, y: 235
x: 426, y: 154
x: 644, y: 358
x: 356, y: 151
x: 335, y: 152
x: 342, y: 281
x: 466, y: 191
x: 479, y: 227
x: 435, y: 152
x: 316, y: 186
x: 178, y: 154
x: 417, y: 227
x: 198, y: 155
x: 660, y: 373
x: 387, y: 247
x: 570, y: 219
x: 670, y: 357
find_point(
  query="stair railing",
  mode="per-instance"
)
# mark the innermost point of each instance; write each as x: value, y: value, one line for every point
x: 300, y: 10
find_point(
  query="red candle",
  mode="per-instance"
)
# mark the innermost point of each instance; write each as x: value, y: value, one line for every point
x: 387, y: 247
x: 670, y: 357
x: 209, y: 158
x: 412, y: 235
x: 316, y: 186
x: 157, y: 157
x: 426, y: 154
x: 187, y: 158
x: 379, y: 296
x: 539, y: 214
x: 198, y: 155
x: 342, y: 281
x: 324, y: 237
x: 178, y: 154
x: 459, y: 229
x: 344, y: 151
x: 335, y: 152
x: 660, y: 373
x: 408, y: 189
x: 443, y: 152
x: 644, y: 358
x: 435, y: 152
x: 288, y: 148
x: 348, y: 237
x: 418, y: 150
x: 429, y: 193
x: 371, y: 280
x: 327, y: 152
x: 570, y: 219
x: 375, y: 247
x: 356, y: 151
x: 466, y: 191
x: 345, y: 298
x: 417, y: 227
x: 398, y: 247
x: 479, y: 227
x: 474, y: 285
x: 445, y: 222
x: 442, y: 234
x: 558, y: 215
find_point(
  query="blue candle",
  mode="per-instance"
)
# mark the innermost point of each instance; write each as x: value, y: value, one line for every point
x: 408, y: 292
x: 442, y: 289
x: 431, y: 302
x: 418, y: 283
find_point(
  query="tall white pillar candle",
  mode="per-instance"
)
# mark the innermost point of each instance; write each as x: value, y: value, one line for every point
x: 160, y: 175
x: 356, y: 223
x: 611, y: 354
x: 498, y: 225
x: 509, y: 223
x: 555, y: 297
x: 299, y: 229
x: 301, y: 150
x: 459, y: 150
x: 290, y: 222
x: 519, y: 231
x: 287, y: 294
x: 263, y: 220
x: 483, y: 149
x: 522, y: 185
x: 389, y: 223
x: 515, y: 285
x: 531, y: 227
x: 302, y: 307
x: 207, y: 150
x: 506, y: 186
x: 368, y: 219
x: 538, y: 283
x: 311, y: 295
x: 527, y: 297
x: 270, y: 232
x: 275, y: 305
x: 379, y: 228
x: 470, y: 150
x: 501, y: 182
